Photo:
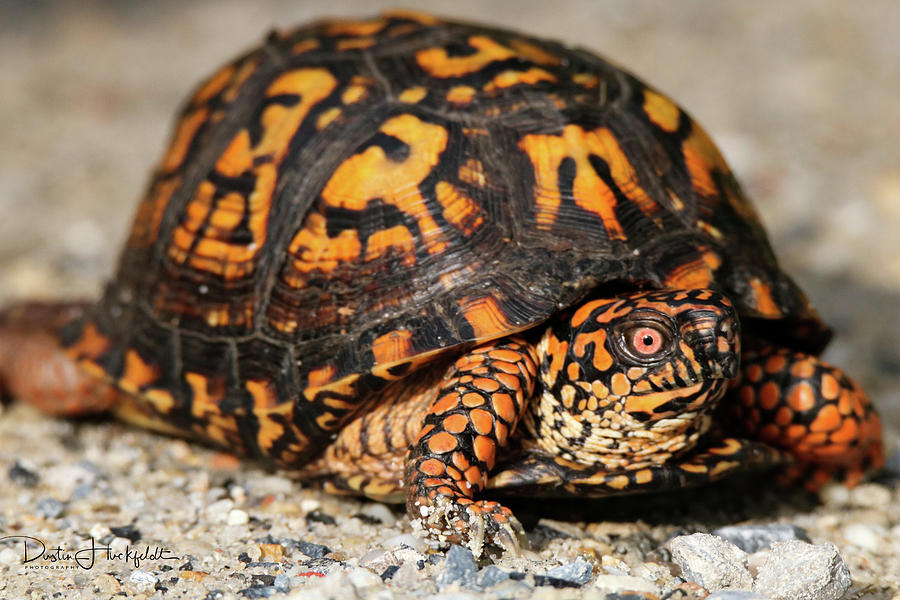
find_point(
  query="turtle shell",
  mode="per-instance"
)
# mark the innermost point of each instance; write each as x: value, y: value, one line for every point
x: 354, y: 198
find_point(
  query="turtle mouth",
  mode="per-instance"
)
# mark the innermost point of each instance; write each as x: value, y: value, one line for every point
x: 714, y: 346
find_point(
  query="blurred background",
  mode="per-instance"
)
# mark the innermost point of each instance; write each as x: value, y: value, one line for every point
x: 803, y: 97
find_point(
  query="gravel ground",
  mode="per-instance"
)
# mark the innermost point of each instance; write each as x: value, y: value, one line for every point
x: 802, y: 98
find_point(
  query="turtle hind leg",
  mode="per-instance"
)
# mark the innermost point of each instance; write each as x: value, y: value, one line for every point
x: 34, y: 368
x: 366, y: 458
x: 810, y: 409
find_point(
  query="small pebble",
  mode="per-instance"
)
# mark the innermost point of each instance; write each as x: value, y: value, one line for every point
x: 407, y: 539
x: 459, y: 568
x: 312, y: 550
x: 271, y: 552
x: 711, y: 561
x: 546, y: 580
x: 835, y: 494
x: 219, y: 510
x: 140, y: 576
x: 98, y: 531
x: 258, y: 591
x: 308, y: 505
x: 625, y: 583
x: 870, y: 495
x: 22, y: 475
x: 614, y: 566
x: 796, y: 570
x: 49, y: 508
x: 753, y: 538
x: 868, y: 536
x: 238, y: 517
x: 379, y: 512
x: 406, y: 575
x: 9, y: 556
x: 490, y: 576
x: 282, y: 583
x: 81, y: 491
x: 318, y: 516
x: 578, y: 572
x: 363, y: 578
x: 127, y: 531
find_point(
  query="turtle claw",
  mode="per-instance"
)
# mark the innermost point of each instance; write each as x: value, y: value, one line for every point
x: 474, y: 525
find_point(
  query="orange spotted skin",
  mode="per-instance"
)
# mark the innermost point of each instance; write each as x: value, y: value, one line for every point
x: 475, y: 412
x: 373, y: 247
x: 795, y: 402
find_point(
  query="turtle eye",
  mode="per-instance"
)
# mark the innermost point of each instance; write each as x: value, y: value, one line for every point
x: 646, y: 341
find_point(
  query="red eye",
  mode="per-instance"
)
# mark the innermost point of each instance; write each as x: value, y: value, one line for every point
x: 645, y: 341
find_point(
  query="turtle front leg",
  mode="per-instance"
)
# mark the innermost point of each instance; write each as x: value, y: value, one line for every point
x: 810, y: 409
x: 480, y: 401
x: 34, y: 367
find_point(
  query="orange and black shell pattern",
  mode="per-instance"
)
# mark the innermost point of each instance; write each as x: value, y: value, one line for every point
x: 353, y: 199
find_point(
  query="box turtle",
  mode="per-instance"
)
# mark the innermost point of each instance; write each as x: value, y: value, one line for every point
x: 429, y: 261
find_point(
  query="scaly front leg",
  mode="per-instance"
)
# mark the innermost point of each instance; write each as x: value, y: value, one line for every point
x: 480, y: 401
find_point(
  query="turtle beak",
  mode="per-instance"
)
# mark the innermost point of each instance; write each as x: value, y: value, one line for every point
x: 714, y: 338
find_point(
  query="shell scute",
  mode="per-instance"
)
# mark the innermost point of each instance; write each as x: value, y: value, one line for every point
x: 357, y: 198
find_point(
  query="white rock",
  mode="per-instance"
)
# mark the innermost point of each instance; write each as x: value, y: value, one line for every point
x: 868, y: 536
x: 139, y: 576
x: 870, y: 495
x: 363, y: 578
x: 238, y: 517
x: 624, y: 583
x: 309, y: 504
x: 835, y: 494
x: 99, y: 531
x: 10, y: 556
x: 711, y: 561
x: 218, y: 511
x: 796, y: 570
x: 119, y: 544
x: 379, y: 511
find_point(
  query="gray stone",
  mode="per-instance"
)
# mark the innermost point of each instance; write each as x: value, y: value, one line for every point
x: 490, y: 576
x: 753, y: 538
x: 49, y: 508
x: 310, y: 549
x: 578, y: 571
x: 711, y: 561
x: 282, y: 582
x: 735, y: 595
x: 796, y: 570
x: 459, y: 568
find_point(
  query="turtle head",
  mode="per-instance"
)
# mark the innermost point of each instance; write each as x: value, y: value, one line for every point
x: 635, y: 373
